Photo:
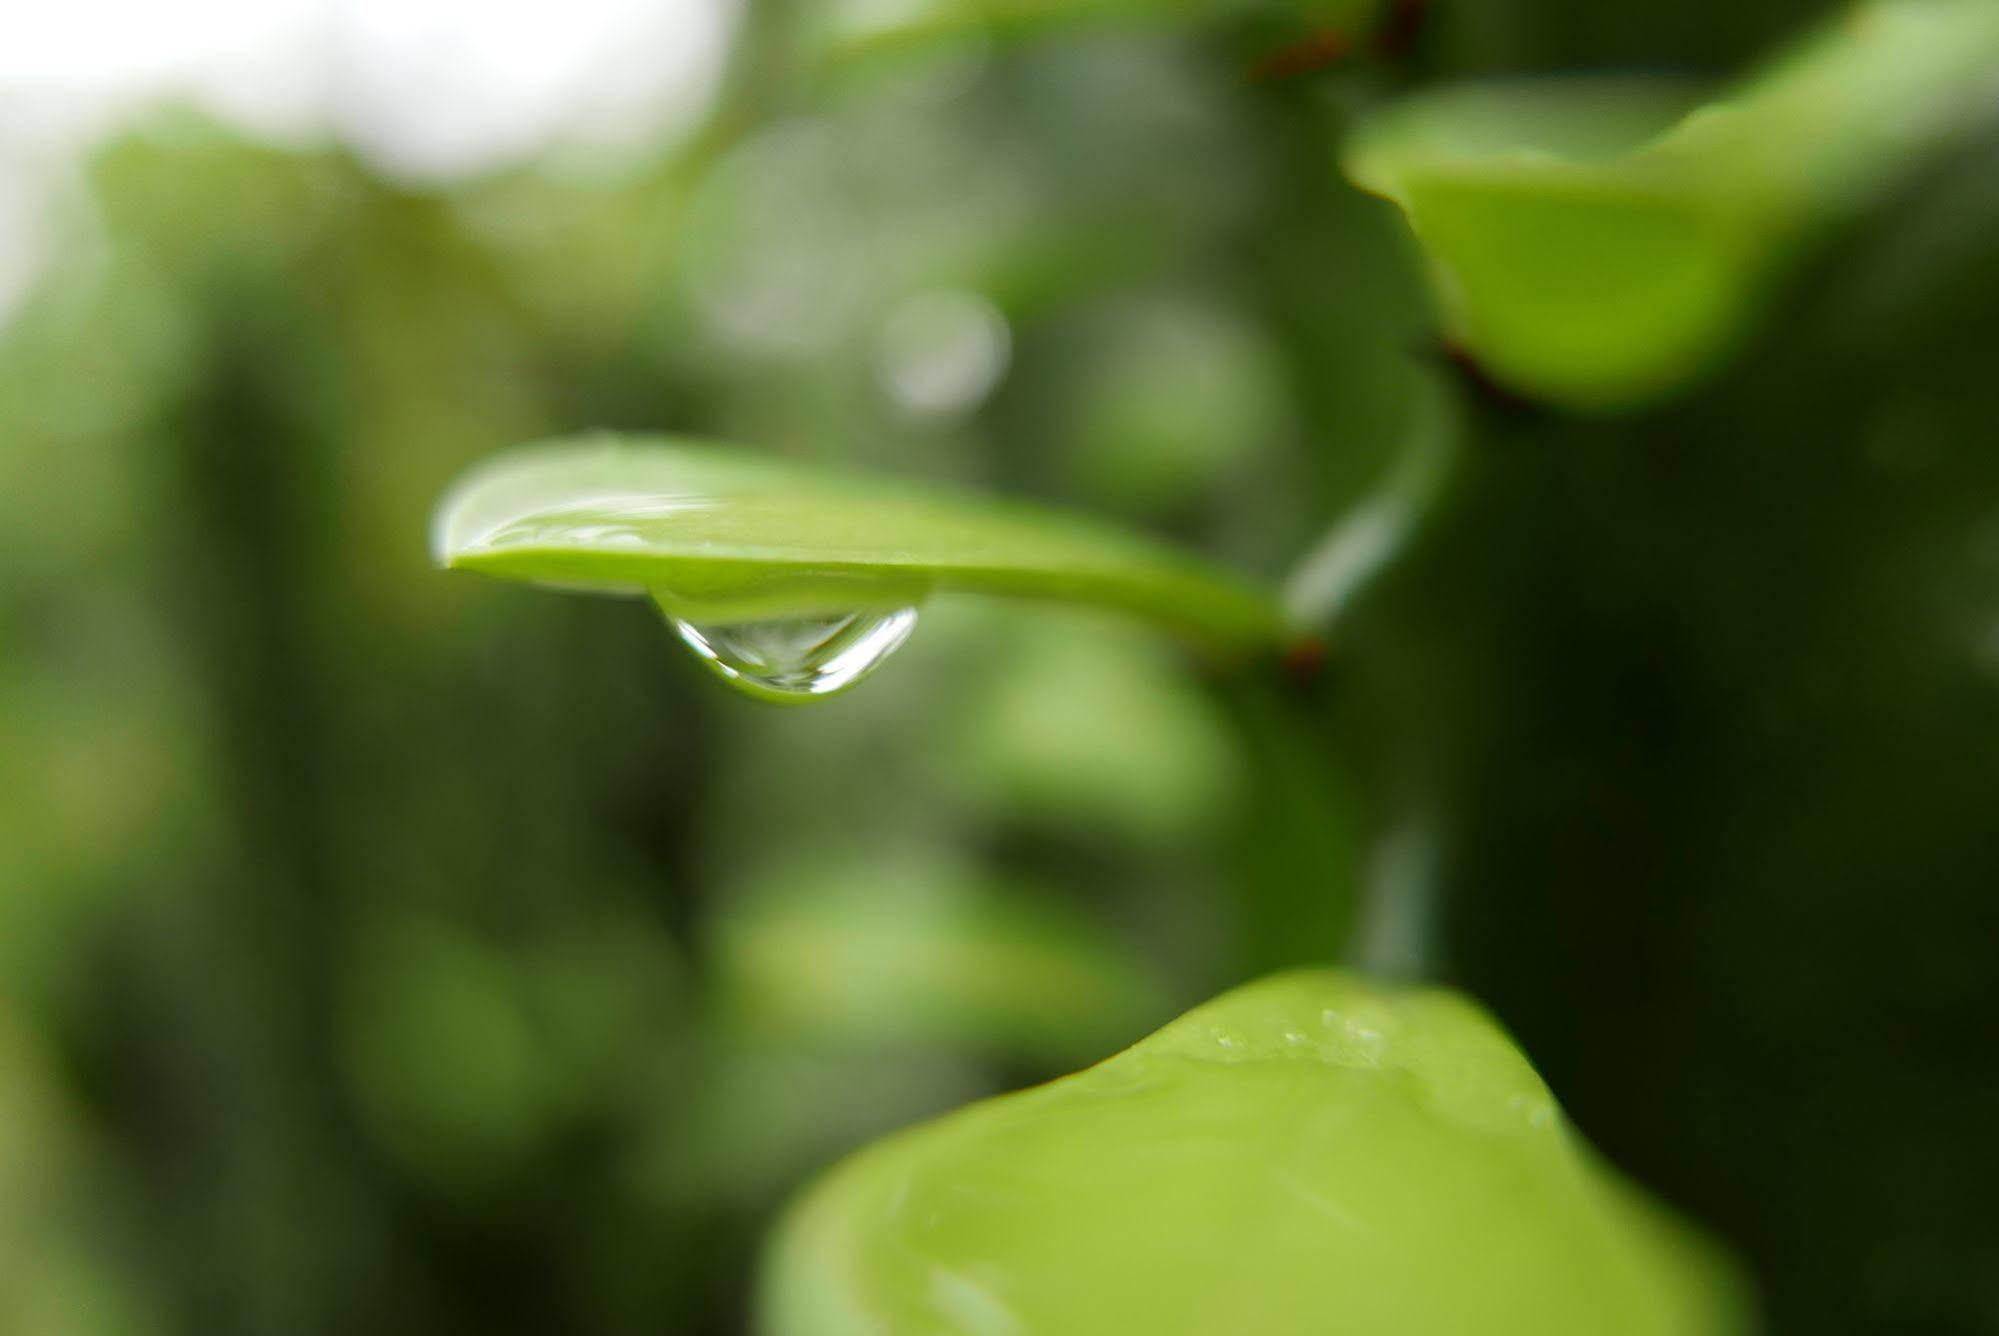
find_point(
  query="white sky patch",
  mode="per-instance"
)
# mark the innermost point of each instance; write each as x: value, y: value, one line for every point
x: 443, y: 88
x: 427, y: 90
x: 439, y: 88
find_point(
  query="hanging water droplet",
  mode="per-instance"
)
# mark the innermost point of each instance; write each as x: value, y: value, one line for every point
x: 799, y: 658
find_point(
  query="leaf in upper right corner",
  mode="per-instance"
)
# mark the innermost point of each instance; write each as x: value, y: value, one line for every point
x: 1597, y: 243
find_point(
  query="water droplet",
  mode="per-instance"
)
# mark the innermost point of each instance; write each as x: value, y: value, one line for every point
x: 799, y: 658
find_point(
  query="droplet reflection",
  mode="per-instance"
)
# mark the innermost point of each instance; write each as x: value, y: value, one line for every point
x: 800, y: 657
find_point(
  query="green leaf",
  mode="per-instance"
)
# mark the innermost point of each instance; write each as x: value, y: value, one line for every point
x: 1599, y: 242
x: 857, y: 31
x: 1307, y: 1154
x: 725, y: 535
x: 897, y: 952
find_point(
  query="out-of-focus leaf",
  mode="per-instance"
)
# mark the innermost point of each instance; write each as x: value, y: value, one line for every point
x: 426, y: 990
x: 728, y: 535
x: 848, y: 29
x: 1091, y: 730
x: 59, y: 1269
x: 902, y: 954
x: 760, y: 1114
x: 1598, y: 242
x: 1306, y: 1154
x: 1171, y: 400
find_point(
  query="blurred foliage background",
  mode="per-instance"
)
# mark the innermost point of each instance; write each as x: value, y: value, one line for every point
x: 387, y: 951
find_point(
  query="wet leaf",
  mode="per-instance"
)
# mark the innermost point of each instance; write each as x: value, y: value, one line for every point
x: 1306, y: 1154
x: 720, y: 535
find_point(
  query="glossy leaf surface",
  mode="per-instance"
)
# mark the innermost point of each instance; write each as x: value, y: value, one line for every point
x: 724, y: 535
x: 1305, y: 1154
x: 1599, y: 242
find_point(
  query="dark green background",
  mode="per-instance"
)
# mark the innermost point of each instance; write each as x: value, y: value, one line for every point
x: 391, y: 951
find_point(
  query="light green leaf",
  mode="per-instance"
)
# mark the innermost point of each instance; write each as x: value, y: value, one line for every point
x: 726, y: 535
x: 1598, y: 242
x: 1307, y: 1154
x: 897, y: 952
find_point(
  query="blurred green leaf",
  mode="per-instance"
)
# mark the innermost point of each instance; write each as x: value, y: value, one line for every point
x: 846, y: 31
x: 905, y: 953
x: 1172, y: 399
x: 759, y: 1114
x: 1305, y: 1154
x: 60, y: 1271
x: 1599, y: 242
x: 1092, y: 730
x: 726, y: 535
x: 427, y: 989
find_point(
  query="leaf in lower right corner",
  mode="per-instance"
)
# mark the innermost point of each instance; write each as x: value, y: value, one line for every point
x: 1306, y: 1154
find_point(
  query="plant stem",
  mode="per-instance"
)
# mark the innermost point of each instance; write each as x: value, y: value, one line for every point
x: 1365, y: 540
x: 1394, y: 932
